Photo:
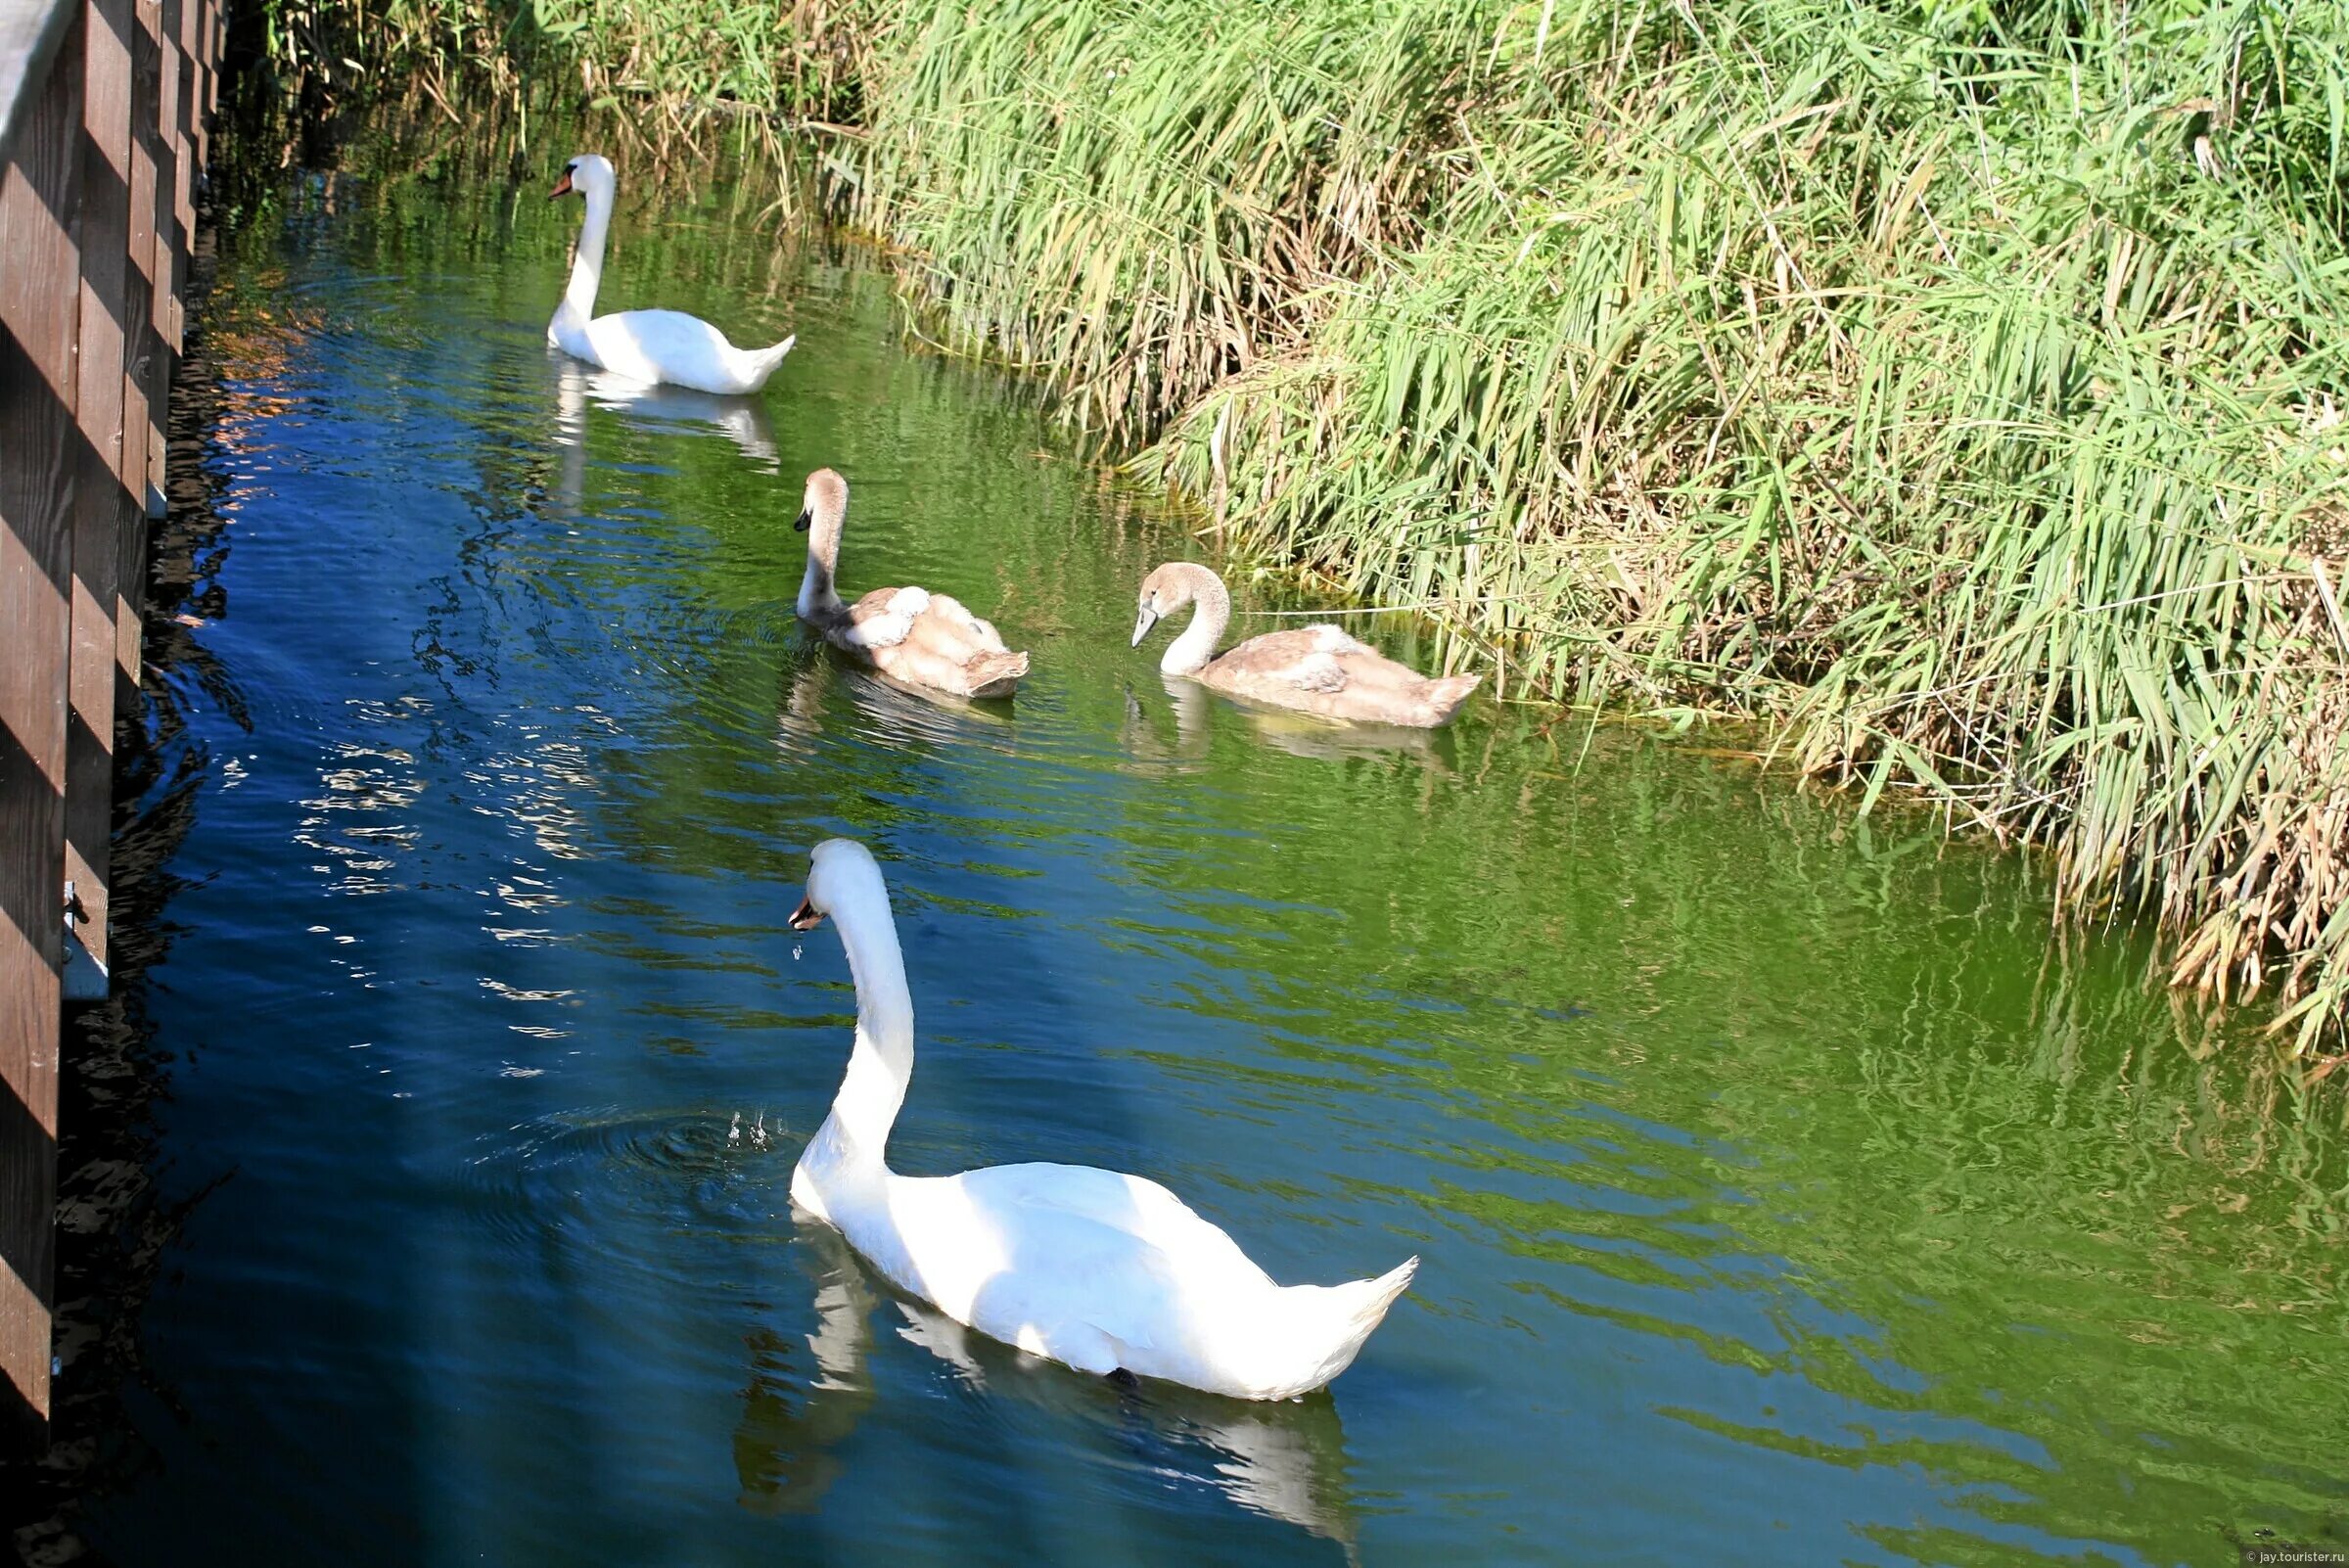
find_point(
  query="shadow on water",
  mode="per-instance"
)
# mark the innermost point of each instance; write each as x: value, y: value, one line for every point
x: 129, y: 1191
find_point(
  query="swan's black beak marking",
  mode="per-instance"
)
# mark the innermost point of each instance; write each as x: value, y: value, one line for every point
x: 561, y: 186
x: 1142, y: 625
x: 804, y: 522
x: 806, y: 918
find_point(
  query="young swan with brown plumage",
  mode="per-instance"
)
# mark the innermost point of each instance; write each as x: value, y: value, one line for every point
x: 910, y: 635
x: 1318, y: 669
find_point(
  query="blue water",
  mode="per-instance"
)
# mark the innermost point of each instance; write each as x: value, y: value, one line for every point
x: 1786, y: 1193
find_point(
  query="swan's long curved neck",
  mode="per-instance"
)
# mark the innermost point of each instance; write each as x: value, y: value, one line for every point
x: 854, y: 1138
x: 587, y: 264
x: 1189, y: 653
x: 818, y: 594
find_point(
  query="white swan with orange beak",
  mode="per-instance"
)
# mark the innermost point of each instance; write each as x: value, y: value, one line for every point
x: 1102, y: 1271
x: 649, y: 345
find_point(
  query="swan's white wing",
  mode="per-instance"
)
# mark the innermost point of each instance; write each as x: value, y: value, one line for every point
x: 662, y: 345
x: 1131, y: 1205
x: 1081, y: 1291
x: 1280, y: 663
x: 1071, y: 1261
x: 1030, y: 1200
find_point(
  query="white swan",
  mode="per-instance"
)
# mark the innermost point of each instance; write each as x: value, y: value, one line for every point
x: 1093, y: 1269
x: 652, y: 345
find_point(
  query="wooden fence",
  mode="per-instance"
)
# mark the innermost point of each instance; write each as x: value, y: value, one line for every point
x: 104, y: 105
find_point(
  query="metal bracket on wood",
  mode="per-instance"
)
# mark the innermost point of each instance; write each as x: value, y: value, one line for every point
x: 84, y: 979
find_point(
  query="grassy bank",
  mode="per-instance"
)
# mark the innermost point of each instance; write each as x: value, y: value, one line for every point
x: 1951, y: 387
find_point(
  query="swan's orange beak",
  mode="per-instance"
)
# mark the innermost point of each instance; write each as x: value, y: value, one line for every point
x: 806, y: 918
x: 561, y: 186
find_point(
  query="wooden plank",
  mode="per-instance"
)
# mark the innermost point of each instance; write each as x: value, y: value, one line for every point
x: 198, y: 46
x: 179, y: 228
x: 194, y: 98
x: 155, y: 80
x: 207, y: 56
x: 146, y: 360
x: 183, y: 14
x: 102, y: 508
x: 40, y: 287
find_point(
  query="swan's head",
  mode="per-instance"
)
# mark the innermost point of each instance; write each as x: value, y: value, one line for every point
x: 840, y: 872
x: 586, y: 174
x: 826, y: 500
x: 822, y: 511
x: 1164, y: 591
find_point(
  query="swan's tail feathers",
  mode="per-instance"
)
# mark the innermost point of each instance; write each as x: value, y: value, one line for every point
x: 764, y: 360
x: 1371, y: 1298
x: 1443, y: 697
x: 1337, y: 1320
x: 994, y: 674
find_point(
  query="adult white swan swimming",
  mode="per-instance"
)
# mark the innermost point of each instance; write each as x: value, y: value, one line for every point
x: 652, y: 345
x: 1095, y: 1269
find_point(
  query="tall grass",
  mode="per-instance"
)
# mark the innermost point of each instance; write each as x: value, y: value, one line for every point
x: 1949, y: 385
x: 798, y: 58
x: 1134, y: 198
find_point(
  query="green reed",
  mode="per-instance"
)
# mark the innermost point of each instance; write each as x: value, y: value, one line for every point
x: 1951, y: 386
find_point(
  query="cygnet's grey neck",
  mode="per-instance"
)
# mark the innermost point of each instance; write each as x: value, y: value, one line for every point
x: 1189, y: 653
x: 818, y: 594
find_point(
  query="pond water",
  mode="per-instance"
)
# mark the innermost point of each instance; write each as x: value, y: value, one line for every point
x: 1785, y: 1191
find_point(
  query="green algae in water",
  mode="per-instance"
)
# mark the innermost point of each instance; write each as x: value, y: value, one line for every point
x: 1787, y: 1192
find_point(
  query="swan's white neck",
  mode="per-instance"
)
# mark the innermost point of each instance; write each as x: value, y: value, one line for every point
x: 1189, y: 653
x: 853, y: 1140
x: 587, y: 264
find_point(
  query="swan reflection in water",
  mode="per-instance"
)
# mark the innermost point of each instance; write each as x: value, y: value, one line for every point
x: 1306, y: 735
x: 794, y: 1415
x: 889, y: 712
x: 743, y: 421
x: 1287, y: 1461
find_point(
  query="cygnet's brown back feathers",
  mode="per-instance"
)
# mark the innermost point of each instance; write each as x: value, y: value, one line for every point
x: 908, y: 634
x: 1315, y: 669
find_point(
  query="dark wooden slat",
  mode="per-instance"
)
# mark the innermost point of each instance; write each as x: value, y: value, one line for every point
x: 39, y: 291
x: 208, y: 55
x: 146, y: 360
x: 156, y: 74
x: 102, y: 508
x: 173, y: 164
x: 179, y: 15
